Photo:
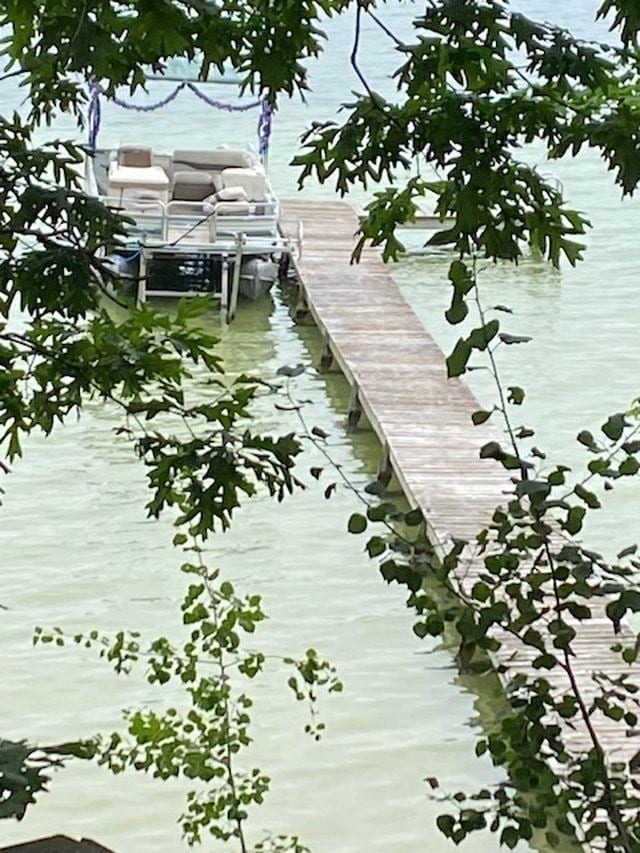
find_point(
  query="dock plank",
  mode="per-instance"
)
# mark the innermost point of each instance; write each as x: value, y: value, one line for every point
x: 421, y: 417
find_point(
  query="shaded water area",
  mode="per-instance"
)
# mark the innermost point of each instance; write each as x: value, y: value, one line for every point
x: 78, y: 551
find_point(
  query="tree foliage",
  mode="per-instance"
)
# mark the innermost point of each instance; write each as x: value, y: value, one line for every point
x: 60, y: 44
x: 203, y: 743
x: 476, y: 82
x: 64, y: 342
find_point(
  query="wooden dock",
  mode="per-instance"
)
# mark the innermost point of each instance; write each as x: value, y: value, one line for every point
x: 423, y: 419
x: 397, y: 374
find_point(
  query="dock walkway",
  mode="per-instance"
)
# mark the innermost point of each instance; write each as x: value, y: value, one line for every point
x: 423, y: 419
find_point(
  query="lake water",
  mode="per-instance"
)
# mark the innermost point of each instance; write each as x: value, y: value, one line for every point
x: 79, y: 552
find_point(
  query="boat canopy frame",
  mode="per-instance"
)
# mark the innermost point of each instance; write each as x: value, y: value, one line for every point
x: 97, y: 92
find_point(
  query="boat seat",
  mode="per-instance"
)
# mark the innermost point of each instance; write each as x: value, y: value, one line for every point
x: 214, y: 160
x: 194, y: 186
x: 131, y: 180
x: 231, y: 194
x: 233, y: 208
x: 252, y: 181
x: 139, y: 158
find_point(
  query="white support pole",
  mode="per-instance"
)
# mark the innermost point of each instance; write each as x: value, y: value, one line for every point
x: 224, y: 289
x: 142, y: 277
x: 235, y: 289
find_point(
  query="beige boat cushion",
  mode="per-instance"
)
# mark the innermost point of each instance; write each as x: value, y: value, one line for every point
x: 193, y: 186
x: 140, y: 158
x: 233, y: 208
x: 231, y: 194
x: 215, y: 160
x: 127, y: 179
x: 253, y: 182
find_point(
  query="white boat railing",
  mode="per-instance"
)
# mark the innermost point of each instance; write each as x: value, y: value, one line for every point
x: 172, y: 221
x: 149, y: 215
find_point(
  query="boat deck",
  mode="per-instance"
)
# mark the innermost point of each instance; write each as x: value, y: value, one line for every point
x: 422, y: 419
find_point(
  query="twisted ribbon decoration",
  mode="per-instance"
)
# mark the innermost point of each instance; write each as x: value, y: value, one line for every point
x: 264, y: 127
x: 95, y: 110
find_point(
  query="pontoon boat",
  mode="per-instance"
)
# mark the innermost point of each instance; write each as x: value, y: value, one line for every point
x: 205, y: 221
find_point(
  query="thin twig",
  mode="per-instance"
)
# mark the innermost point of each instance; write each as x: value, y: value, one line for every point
x: 613, y: 811
x: 496, y: 376
x: 385, y: 28
x: 227, y: 713
x: 355, y: 49
x: 11, y: 74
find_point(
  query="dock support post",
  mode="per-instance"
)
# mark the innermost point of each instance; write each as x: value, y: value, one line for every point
x: 385, y: 470
x: 326, y: 359
x: 355, y: 409
x: 284, y: 265
x: 301, y: 311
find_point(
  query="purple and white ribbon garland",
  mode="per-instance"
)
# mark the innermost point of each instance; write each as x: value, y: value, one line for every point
x: 95, y: 111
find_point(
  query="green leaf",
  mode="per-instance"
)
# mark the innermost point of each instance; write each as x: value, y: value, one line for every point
x: 480, y: 417
x: 379, y: 512
x: 480, y: 591
x: 575, y: 518
x: 357, y: 523
x: 457, y: 361
x: 557, y: 477
x: 614, y: 427
x: 588, y: 497
x: 509, y: 340
x: 491, y: 450
x: 376, y: 546
x: 586, y: 438
x: 535, y: 490
x: 458, y: 311
x: 445, y: 824
x: 462, y: 282
x: 627, y: 552
x: 444, y: 237
x: 516, y: 395
x: 629, y: 467
x: 481, y: 337
x: 414, y: 518
x: 510, y: 837
x: 460, y: 276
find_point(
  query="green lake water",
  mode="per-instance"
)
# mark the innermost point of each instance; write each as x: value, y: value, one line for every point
x: 77, y: 550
